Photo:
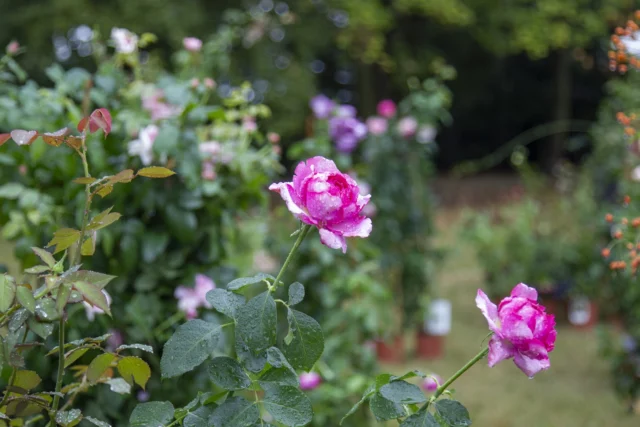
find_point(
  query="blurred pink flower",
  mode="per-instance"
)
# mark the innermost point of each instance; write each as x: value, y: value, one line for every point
x: 521, y: 330
x: 13, y: 47
x: 321, y: 106
x: 92, y: 310
x: 309, y: 380
x: 190, y: 299
x: 273, y: 137
x: 249, y: 124
x: 22, y: 169
x: 195, y: 83
x: 159, y: 109
x: 143, y: 146
x: 214, y: 151
x: 115, y: 340
x: 431, y: 383
x: 322, y: 196
x: 209, y: 83
x: 426, y: 134
x: 407, y: 127
x: 377, y: 125
x: 192, y: 44
x: 124, y: 40
x: 387, y: 108
x: 208, y: 171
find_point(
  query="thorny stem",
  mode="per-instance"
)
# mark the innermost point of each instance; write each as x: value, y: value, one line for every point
x: 74, y: 260
x: 301, y: 235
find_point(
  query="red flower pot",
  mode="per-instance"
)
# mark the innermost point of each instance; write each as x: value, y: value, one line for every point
x: 429, y: 346
x: 390, y: 351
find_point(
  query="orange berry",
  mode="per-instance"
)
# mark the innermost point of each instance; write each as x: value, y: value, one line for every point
x: 629, y: 246
x: 633, y: 254
x: 606, y: 252
x: 624, y: 221
x: 627, y: 200
x: 608, y: 217
x: 617, y: 234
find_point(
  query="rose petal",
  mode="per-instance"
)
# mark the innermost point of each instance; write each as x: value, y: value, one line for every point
x: 533, y: 359
x: 316, y: 164
x: 524, y: 291
x: 499, y: 350
x: 356, y: 227
x: 488, y: 309
x: 285, y: 189
x: 332, y: 240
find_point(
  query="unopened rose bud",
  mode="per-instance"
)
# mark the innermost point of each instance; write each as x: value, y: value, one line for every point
x: 431, y: 383
x: 309, y: 380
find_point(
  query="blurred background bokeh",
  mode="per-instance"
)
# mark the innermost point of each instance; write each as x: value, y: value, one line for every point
x: 504, y: 151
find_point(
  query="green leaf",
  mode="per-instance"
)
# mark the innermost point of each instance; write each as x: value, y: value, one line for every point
x: 96, y: 422
x: 384, y: 409
x: 99, y: 280
x: 251, y: 362
x: 93, y: 295
x: 228, y: 374
x: 307, y: 341
x: 64, y: 292
x: 74, y: 355
x: 420, y: 419
x: 190, y: 345
x: 104, y: 190
x: 367, y: 394
x: 103, y: 221
x: 46, y: 310
x: 38, y: 269
x: 134, y: 370
x: 155, y: 172
x: 403, y: 392
x: 7, y: 292
x: 45, y: 256
x: 151, y: 414
x: 225, y: 302
x: 25, y: 298
x: 27, y: 380
x: 142, y: 347
x: 242, y: 282
x: 98, y: 366
x: 11, y: 190
x: 84, y: 180
x: 410, y: 374
x: 287, y: 405
x: 119, y: 385
x: 296, y: 293
x: 88, y: 247
x: 63, y: 239
x: 199, y: 417
x: 452, y: 412
x: 69, y: 418
x: 256, y: 322
x: 43, y: 330
x: 235, y: 412
x: 281, y: 371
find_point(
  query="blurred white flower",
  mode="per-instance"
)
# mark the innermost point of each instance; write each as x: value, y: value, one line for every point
x: 635, y: 174
x: 124, y: 40
x: 426, y: 134
x: 632, y: 43
x: 143, y: 146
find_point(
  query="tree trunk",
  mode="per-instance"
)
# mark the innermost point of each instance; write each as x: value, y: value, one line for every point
x: 562, y: 109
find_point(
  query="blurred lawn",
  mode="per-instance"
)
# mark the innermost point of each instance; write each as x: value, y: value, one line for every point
x: 575, y: 392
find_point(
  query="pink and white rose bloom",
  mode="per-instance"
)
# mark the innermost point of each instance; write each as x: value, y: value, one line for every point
x: 157, y: 108
x: 387, y: 108
x: 322, y: 196
x: 309, y: 380
x: 192, y: 44
x: 92, y: 310
x: 522, y: 330
x: 190, y: 299
x: 377, y: 125
x: 407, y: 127
x: 124, y: 40
x: 143, y: 146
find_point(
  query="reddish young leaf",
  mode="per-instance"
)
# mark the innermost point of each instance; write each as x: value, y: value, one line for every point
x: 55, y: 138
x: 4, y: 137
x: 83, y: 124
x: 99, y: 119
x: 74, y: 142
x: 24, y: 137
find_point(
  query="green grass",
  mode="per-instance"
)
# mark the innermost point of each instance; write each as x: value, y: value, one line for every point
x: 575, y: 391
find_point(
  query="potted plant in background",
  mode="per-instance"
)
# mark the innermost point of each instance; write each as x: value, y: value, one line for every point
x: 437, y: 325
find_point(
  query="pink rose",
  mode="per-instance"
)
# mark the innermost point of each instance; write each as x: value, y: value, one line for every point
x: 273, y: 137
x: 431, y: 383
x: 13, y: 47
x: 522, y: 330
x: 191, y: 43
x: 190, y: 299
x: 376, y: 125
x: 407, y: 127
x: 323, y: 196
x: 208, y: 171
x: 309, y: 380
x: 387, y: 108
x: 209, y: 83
